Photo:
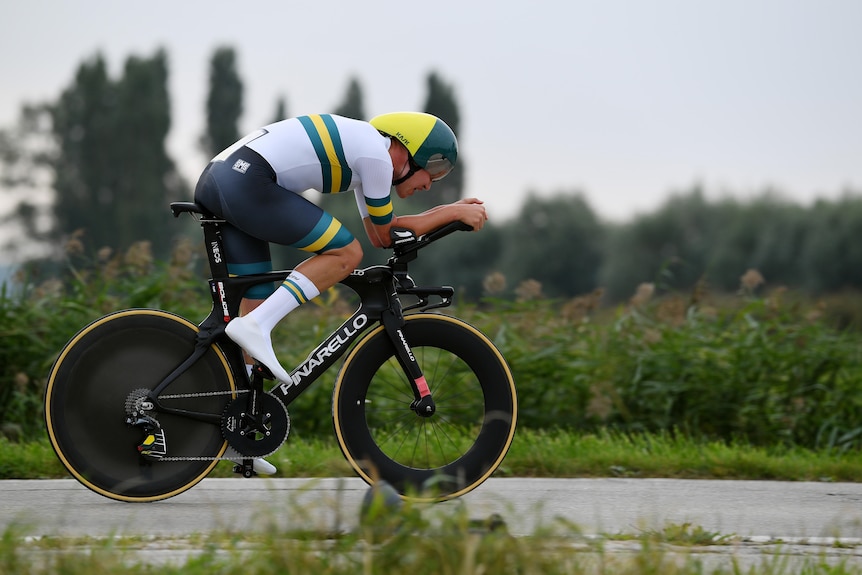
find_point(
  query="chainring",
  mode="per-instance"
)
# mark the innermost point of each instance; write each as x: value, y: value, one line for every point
x: 256, y: 436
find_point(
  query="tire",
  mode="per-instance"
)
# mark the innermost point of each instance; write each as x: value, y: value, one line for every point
x: 443, y: 456
x: 85, y: 404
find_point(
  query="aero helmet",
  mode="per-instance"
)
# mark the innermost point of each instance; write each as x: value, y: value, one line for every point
x: 431, y: 143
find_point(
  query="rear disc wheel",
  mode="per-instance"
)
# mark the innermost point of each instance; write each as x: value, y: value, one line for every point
x: 102, y: 369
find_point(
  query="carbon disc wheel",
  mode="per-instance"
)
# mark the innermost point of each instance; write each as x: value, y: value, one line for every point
x: 89, y: 389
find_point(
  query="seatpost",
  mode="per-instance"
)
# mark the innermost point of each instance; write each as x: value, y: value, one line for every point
x: 215, y: 248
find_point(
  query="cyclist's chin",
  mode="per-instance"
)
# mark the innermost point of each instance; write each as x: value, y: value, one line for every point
x: 404, y: 191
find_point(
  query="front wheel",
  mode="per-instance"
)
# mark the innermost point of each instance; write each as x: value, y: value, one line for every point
x: 427, y: 458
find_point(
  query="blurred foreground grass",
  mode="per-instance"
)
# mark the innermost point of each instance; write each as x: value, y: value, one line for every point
x: 416, y: 541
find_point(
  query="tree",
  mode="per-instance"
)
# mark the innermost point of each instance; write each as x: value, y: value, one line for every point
x: 670, y: 247
x: 224, y: 103
x: 147, y: 179
x: 767, y: 234
x: 103, y: 144
x: 353, y: 105
x: 558, y: 242
x: 280, y: 110
x: 25, y: 179
x: 689, y: 239
x: 85, y: 166
x: 831, y: 255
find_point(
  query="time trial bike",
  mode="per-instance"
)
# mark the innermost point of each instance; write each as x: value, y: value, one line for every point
x: 142, y: 404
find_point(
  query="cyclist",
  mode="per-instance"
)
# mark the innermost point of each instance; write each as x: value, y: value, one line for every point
x: 256, y: 186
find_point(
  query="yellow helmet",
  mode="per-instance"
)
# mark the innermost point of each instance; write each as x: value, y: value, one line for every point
x: 431, y: 143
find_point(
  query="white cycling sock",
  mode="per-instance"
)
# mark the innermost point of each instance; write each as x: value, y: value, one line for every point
x: 253, y: 331
x: 295, y: 291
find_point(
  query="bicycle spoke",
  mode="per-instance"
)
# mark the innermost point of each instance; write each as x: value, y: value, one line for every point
x: 433, y: 442
x: 399, y: 444
x: 442, y: 435
x: 447, y: 452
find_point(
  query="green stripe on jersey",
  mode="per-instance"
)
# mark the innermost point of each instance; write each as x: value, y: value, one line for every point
x: 324, y: 136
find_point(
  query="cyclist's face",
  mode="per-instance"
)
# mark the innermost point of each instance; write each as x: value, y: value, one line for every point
x: 419, y: 181
x: 417, y: 178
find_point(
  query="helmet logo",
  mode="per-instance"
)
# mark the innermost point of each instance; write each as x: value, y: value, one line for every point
x: 403, y: 138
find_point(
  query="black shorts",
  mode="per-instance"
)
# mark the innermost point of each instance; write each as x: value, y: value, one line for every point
x: 243, y: 191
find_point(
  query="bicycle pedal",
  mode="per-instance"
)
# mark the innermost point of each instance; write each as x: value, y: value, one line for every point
x: 245, y: 469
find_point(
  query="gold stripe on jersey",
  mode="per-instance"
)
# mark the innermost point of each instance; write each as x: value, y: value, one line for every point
x: 324, y: 136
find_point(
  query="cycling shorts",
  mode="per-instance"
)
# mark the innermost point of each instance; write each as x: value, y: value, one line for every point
x: 243, y: 191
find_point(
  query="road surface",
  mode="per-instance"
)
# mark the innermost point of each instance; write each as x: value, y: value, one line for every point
x: 795, y: 518
x: 744, y: 508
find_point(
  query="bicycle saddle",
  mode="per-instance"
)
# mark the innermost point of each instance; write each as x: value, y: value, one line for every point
x: 178, y: 208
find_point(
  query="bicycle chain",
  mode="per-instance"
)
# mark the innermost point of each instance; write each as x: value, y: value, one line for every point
x: 204, y: 394
x: 190, y: 458
x: 201, y: 394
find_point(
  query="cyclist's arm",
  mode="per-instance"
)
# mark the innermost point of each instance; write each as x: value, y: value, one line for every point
x: 471, y: 211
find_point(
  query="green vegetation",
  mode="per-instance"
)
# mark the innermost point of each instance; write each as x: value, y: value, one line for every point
x: 692, y: 385
x: 766, y: 371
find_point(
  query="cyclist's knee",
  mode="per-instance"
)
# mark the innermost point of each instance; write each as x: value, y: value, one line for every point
x: 349, y: 257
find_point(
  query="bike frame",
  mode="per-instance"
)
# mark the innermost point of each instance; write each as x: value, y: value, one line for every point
x: 378, y: 288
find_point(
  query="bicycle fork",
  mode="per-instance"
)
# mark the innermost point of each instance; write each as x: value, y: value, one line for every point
x: 423, y: 403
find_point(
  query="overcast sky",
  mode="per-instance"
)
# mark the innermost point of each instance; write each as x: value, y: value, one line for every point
x: 624, y: 100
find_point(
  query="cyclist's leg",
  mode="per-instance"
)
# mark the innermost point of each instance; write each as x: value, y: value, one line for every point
x: 257, y: 206
x: 252, y: 330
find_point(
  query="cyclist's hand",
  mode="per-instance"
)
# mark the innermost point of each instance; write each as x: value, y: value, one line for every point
x: 472, y: 212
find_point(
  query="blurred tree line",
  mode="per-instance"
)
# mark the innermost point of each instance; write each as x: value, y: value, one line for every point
x: 99, y: 150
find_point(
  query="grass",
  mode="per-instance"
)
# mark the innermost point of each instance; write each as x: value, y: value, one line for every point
x: 549, y: 454
x: 541, y: 454
x: 421, y: 543
x: 769, y: 370
x: 441, y: 542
